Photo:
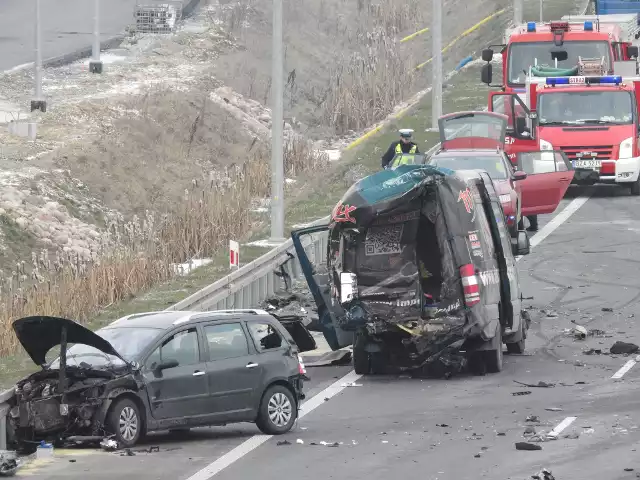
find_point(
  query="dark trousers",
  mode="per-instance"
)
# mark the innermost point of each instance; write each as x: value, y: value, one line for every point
x: 533, y: 222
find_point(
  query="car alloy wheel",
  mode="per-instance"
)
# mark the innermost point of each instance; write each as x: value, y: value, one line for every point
x: 128, y: 423
x: 280, y: 410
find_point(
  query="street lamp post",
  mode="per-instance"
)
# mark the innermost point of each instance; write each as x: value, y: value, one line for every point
x: 277, y: 151
x: 38, y: 102
x: 436, y: 86
x: 95, y: 65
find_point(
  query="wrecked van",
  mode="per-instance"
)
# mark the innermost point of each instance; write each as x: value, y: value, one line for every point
x: 170, y: 371
x: 419, y: 267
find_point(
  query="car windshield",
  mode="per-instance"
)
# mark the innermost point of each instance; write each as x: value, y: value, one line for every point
x: 492, y: 164
x: 127, y: 341
x: 524, y: 55
x: 577, y: 108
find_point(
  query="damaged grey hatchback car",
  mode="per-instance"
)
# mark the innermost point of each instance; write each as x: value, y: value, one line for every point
x: 158, y: 371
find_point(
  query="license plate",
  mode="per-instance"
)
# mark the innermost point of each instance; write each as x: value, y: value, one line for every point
x: 587, y: 164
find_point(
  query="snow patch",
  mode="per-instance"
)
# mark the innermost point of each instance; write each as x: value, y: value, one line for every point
x: 187, y: 267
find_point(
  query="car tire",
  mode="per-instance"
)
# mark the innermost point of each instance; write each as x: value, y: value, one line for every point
x: 361, y: 361
x: 635, y: 188
x: 126, y: 422
x: 493, y: 358
x: 378, y: 362
x: 278, y: 411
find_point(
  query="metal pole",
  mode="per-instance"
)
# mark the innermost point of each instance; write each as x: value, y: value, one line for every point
x: 38, y: 102
x: 436, y: 86
x: 277, y: 151
x: 95, y: 66
x: 517, y: 12
x: 541, y: 17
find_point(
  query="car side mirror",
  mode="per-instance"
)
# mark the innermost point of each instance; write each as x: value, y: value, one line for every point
x: 348, y: 286
x: 520, y: 245
x: 487, y: 54
x: 632, y: 51
x: 486, y: 74
x: 519, y: 175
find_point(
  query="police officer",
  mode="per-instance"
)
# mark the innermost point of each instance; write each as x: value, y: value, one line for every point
x: 404, y: 145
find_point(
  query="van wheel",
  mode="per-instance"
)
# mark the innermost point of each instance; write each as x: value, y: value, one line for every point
x: 125, y: 421
x: 493, y: 358
x: 518, y: 347
x: 361, y: 361
x: 635, y: 187
x: 378, y: 362
x: 476, y: 363
x: 278, y: 411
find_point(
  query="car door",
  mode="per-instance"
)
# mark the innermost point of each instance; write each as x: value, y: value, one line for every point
x: 317, y: 277
x: 511, y: 105
x: 181, y: 391
x: 472, y: 130
x: 549, y: 174
x: 235, y: 375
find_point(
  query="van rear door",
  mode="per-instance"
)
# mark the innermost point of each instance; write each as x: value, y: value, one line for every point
x: 549, y: 174
x: 317, y: 277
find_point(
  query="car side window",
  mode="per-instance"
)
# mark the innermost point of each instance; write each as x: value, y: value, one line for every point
x: 265, y: 336
x: 181, y: 347
x: 227, y: 340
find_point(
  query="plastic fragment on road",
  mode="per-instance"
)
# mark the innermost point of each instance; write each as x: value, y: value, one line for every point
x: 553, y: 409
x: 543, y: 474
x: 9, y: 463
x: 351, y: 384
x: 283, y: 442
x: 579, y: 332
x: 109, y: 444
x: 527, y: 446
x: 300, y: 441
x: 532, y: 418
x: 45, y: 450
x: 540, y: 384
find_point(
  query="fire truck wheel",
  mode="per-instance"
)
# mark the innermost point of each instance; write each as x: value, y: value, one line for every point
x: 635, y: 188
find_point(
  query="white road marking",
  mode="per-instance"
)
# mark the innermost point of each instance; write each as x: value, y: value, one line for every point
x: 625, y: 368
x: 254, y: 442
x: 556, y: 221
x: 314, y: 402
x: 561, y: 426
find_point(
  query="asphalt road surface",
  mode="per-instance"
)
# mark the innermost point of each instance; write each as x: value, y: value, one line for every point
x: 67, y: 25
x: 584, y: 259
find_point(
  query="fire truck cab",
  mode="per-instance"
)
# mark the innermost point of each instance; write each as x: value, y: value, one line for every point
x: 592, y: 119
x: 554, y: 48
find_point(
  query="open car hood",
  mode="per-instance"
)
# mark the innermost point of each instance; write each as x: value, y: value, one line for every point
x: 39, y: 334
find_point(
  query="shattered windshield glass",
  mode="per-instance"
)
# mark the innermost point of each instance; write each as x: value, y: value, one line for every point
x: 493, y: 164
x: 578, y: 108
x: 524, y: 55
x: 127, y: 341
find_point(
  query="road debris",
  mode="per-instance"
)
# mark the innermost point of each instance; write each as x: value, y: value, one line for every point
x: 571, y: 436
x: 283, y: 442
x: 619, y: 348
x: 351, y: 384
x: 128, y: 453
x: 593, y: 351
x: 543, y: 474
x: 477, y: 455
x: 527, y: 446
x: 607, y: 309
x: 628, y: 469
x: 553, y: 409
x: 529, y: 431
x: 501, y: 434
x: 338, y: 357
x: 444, y: 425
x: 538, y: 385
x: 9, y: 463
x: 109, y: 445
x: 300, y: 441
x: 517, y: 394
x: 532, y: 418
x: 580, y: 332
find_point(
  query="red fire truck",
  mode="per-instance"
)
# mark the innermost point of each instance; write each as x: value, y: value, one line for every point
x: 593, y: 119
x: 555, y: 47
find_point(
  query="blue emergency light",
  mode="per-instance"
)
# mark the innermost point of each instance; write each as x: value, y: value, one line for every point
x: 609, y: 79
x: 531, y: 26
x: 588, y: 26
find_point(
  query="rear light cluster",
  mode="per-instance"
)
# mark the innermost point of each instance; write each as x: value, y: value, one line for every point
x: 301, y: 369
x: 470, y: 285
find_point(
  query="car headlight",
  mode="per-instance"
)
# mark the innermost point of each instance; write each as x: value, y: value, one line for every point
x: 626, y: 148
x: 544, y: 145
